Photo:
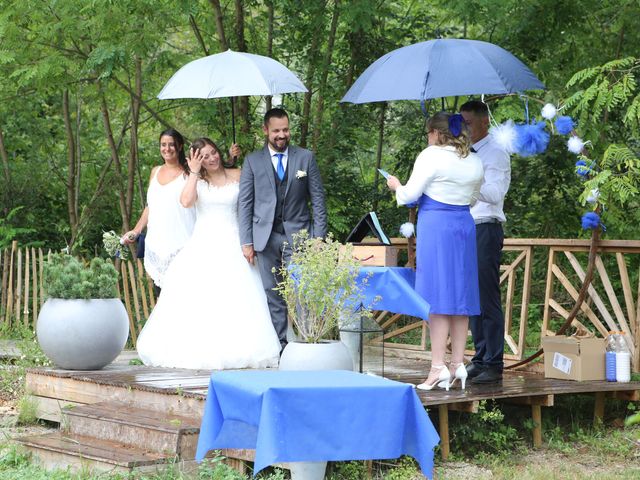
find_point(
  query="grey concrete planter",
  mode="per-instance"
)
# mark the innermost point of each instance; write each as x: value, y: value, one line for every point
x: 82, y: 334
x: 326, y: 355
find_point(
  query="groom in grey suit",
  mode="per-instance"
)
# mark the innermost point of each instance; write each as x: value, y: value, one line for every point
x: 281, y: 193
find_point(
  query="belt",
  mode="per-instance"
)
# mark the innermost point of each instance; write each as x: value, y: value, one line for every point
x: 479, y: 221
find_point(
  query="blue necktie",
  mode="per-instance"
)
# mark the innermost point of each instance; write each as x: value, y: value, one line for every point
x: 280, y: 169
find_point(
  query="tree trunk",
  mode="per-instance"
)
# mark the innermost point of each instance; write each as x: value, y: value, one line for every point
x: 196, y: 31
x: 311, y: 70
x: 243, y: 102
x: 217, y: 10
x: 383, y: 110
x: 6, y: 191
x: 269, y: 42
x: 124, y: 213
x: 324, y: 74
x: 135, y: 119
x: 70, y: 184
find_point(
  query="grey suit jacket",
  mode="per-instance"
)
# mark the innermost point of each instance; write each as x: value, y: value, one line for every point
x: 257, y: 201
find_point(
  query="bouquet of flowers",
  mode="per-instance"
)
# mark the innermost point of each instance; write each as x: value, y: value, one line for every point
x: 114, y: 246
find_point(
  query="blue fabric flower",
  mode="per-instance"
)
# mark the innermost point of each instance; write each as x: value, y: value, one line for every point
x: 582, y: 169
x: 564, y: 125
x: 591, y: 220
x: 455, y: 124
x: 531, y: 139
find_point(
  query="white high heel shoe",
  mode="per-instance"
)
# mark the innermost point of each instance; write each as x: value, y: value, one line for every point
x: 459, y: 374
x: 442, y: 381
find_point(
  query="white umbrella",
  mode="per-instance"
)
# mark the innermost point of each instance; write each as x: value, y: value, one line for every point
x: 231, y: 74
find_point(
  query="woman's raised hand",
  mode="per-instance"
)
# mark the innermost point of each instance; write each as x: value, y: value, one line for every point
x: 393, y: 183
x: 195, y: 160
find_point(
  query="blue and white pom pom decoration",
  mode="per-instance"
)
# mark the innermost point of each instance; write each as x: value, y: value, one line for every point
x: 593, y: 196
x: 591, y: 220
x: 505, y: 136
x: 575, y: 144
x: 564, y: 125
x: 549, y: 111
x: 407, y: 229
x: 582, y: 169
x: 531, y: 139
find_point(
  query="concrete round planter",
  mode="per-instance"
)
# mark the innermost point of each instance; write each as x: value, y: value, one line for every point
x: 326, y: 355
x: 82, y: 334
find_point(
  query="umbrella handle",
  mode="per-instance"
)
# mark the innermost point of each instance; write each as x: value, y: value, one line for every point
x: 233, y: 126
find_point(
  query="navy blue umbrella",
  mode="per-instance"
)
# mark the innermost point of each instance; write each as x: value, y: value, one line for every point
x: 442, y: 68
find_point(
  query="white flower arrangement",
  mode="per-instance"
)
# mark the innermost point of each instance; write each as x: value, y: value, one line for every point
x: 301, y: 174
x: 114, y: 245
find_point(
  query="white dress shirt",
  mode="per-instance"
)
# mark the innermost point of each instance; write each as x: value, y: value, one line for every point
x: 274, y: 159
x: 443, y: 175
x: 497, y: 177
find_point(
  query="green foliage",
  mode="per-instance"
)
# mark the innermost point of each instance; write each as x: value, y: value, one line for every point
x: 8, y: 232
x: 320, y: 286
x: 27, y: 410
x: 485, y: 431
x: 67, y: 277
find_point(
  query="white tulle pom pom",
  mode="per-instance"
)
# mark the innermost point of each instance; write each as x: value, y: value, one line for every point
x: 593, y: 196
x: 407, y: 229
x: 505, y: 136
x: 549, y: 111
x: 575, y: 144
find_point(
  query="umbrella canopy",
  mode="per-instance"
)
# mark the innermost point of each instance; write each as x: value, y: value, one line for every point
x: 442, y: 68
x: 231, y: 74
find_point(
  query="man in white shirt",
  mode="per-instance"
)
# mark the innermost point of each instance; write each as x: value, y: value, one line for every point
x: 488, y: 328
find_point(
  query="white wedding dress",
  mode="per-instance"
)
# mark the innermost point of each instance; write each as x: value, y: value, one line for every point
x: 212, y: 312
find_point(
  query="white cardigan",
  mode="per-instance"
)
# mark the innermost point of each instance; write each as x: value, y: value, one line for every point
x: 440, y: 173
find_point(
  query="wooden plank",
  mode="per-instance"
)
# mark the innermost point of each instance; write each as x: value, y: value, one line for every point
x: 468, y: 407
x: 576, y: 323
x: 4, y: 260
x: 27, y: 265
x: 443, y: 421
x: 508, y: 269
x: 34, y: 284
x: 18, y: 308
x: 524, y: 306
x: 406, y: 328
x: 143, y: 295
x: 390, y: 320
x: 9, y: 310
x: 542, y: 400
x: 50, y: 409
x: 626, y: 289
x: 598, y: 409
x: 613, y: 300
x: 41, y: 256
x: 574, y: 294
x: 71, y: 390
x: 548, y: 293
x: 127, y: 303
x: 536, y: 416
x: 136, y: 304
x: 508, y: 314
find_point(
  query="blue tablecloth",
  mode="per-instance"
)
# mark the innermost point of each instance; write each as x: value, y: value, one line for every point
x: 297, y: 416
x: 395, y: 286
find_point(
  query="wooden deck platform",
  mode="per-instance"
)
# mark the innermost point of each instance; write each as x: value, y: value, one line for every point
x: 183, y: 392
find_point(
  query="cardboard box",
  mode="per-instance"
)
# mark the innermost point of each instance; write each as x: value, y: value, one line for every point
x: 571, y: 358
x: 376, y: 255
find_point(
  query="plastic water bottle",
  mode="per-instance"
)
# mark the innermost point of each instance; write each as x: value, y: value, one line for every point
x: 610, y: 357
x: 623, y: 360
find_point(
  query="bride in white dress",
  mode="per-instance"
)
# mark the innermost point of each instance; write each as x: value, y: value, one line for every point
x: 213, y: 312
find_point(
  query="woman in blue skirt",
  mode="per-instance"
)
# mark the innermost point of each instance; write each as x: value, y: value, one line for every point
x: 446, y: 178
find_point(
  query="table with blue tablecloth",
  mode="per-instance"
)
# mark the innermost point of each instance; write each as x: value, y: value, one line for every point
x: 311, y: 416
x: 395, y: 288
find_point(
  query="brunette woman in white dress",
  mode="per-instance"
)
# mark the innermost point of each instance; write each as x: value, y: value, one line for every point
x: 169, y: 225
x: 213, y: 311
x: 446, y: 178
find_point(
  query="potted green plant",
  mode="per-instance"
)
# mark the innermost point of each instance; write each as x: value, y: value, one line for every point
x: 321, y: 289
x: 83, y: 324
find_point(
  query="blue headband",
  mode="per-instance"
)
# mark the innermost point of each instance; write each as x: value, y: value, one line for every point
x: 455, y: 124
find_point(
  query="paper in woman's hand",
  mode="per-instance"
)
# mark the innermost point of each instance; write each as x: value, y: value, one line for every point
x: 384, y: 173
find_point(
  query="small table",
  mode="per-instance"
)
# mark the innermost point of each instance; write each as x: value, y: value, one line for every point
x: 395, y: 286
x: 301, y: 416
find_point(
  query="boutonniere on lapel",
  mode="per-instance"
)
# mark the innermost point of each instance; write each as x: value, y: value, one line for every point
x: 301, y: 174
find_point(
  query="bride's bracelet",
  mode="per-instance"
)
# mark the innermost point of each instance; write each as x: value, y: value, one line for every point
x: 194, y: 173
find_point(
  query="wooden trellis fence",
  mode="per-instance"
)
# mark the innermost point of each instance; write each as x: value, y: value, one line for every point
x: 22, y: 293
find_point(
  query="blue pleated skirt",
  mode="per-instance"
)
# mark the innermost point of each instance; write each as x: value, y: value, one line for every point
x: 446, y: 258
